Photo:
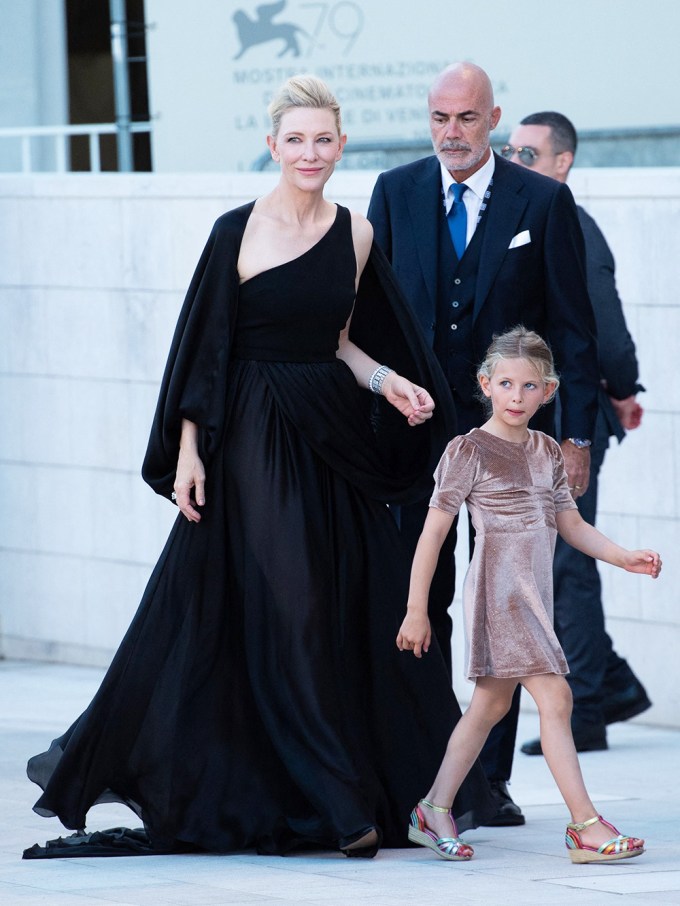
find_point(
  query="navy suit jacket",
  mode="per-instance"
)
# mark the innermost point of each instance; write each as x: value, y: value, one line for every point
x: 541, y: 284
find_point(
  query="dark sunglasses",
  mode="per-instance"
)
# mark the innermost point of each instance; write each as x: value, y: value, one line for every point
x: 526, y: 154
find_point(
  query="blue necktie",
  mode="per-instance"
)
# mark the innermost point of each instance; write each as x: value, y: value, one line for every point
x: 457, y: 218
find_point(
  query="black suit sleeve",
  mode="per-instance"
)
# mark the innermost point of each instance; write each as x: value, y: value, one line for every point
x: 571, y: 323
x: 618, y: 362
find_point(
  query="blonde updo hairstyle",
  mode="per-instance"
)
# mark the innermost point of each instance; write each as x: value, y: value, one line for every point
x: 302, y: 91
x: 519, y: 343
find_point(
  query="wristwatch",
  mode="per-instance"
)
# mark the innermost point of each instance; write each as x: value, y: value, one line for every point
x: 579, y: 442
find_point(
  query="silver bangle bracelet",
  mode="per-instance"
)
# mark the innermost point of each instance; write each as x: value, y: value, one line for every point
x: 377, y: 379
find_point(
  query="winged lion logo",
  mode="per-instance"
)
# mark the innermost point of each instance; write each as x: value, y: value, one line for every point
x: 262, y: 29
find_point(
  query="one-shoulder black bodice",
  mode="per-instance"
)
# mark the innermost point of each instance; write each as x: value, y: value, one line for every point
x: 294, y: 312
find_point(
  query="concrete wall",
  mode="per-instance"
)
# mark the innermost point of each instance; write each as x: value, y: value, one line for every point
x: 92, y: 272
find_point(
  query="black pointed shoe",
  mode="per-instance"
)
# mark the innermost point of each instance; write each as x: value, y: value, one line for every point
x: 587, y: 738
x: 625, y: 703
x: 508, y: 813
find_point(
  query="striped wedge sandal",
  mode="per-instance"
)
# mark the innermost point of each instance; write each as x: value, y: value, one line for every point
x: 619, y: 847
x: 451, y: 848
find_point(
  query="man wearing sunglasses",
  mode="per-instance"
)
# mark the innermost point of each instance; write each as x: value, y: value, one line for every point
x: 604, y: 687
x: 480, y: 245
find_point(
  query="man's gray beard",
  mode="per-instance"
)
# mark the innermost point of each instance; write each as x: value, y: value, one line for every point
x: 441, y: 157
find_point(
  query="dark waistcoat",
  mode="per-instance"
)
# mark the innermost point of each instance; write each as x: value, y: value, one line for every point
x: 456, y: 285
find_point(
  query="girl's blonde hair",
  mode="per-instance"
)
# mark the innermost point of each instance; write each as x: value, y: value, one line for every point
x: 303, y: 91
x: 520, y: 343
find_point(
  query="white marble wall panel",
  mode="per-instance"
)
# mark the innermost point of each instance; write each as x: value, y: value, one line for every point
x: 623, y: 593
x: 12, y: 247
x: 93, y: 270
x: 66, y: 236
x: 101, y: 514
x: 640, y: 474
x: 651, y: 648
x: 661, y: 605
x: 64, y: 602
x: 75, y: 423
x: 86, y: 333
x: 639, y: 213
x: 655, y: 328
x: 149, y: 244
x: 647, y: 259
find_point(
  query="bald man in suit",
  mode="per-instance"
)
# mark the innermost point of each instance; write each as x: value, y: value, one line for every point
x: 473, y: 262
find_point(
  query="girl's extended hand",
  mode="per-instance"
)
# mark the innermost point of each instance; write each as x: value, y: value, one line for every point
x: 415, y: 633
x: 190, y: 474
x: 646, y: 562
x: 412, y: 401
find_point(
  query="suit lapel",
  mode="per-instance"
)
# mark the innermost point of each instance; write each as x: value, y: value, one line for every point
x: 503, y: 216
x: 423, y: 200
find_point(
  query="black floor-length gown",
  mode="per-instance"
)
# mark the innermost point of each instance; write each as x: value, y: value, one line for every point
x: 258, y: 698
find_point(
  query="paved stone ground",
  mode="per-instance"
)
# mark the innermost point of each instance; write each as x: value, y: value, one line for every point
x: 636, y: 784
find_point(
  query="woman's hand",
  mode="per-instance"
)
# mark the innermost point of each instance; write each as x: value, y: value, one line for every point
x: 415, y: 633
x: 412, y: 401
x: 190, y: 474
x: 646, y: 562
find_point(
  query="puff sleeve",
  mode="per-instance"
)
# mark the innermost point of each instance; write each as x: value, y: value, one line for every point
x: 456, y: 474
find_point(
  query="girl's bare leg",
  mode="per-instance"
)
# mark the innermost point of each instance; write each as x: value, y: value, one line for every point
x: 554, y: 701
x: 490, y: 702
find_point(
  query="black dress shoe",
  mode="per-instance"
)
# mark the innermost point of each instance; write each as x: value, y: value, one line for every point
x: 626, y: 703
x: 508, y: 813
x: 587, y: 738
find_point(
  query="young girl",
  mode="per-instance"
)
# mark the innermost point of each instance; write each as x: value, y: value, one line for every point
x: 515, y: 487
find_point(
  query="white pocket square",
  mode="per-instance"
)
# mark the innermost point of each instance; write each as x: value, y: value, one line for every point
x: 523, y: 238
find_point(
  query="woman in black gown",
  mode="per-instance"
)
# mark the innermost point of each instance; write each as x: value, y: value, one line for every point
x: 258, y: 698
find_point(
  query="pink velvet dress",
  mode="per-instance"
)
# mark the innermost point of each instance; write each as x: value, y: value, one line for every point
x: 513, y: 492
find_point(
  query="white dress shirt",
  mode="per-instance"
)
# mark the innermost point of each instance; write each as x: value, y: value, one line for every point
x: 477, y: 184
